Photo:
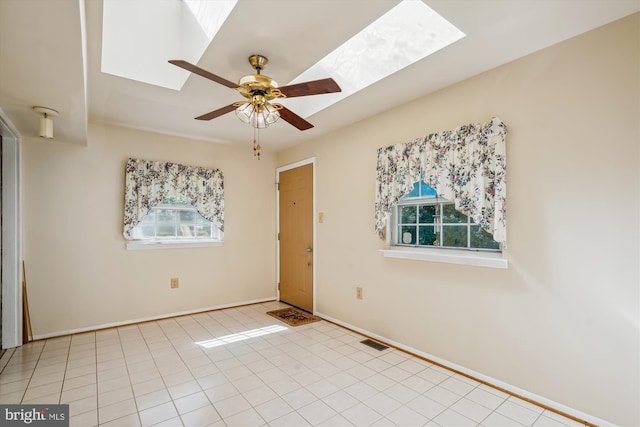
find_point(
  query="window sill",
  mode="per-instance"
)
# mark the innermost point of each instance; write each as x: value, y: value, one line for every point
x: 450, y: 256
x: 137, y: 245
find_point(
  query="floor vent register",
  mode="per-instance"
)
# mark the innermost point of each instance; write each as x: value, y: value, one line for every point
x: 374, y: 344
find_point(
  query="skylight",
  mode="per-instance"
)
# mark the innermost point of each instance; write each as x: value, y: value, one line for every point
x: 182, y: 29
x: 406, y: 34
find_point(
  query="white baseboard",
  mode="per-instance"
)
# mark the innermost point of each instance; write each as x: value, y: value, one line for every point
x: 147, y: 319
x: 542, y: 401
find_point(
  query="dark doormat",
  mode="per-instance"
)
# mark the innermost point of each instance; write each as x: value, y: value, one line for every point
x: 293, y: 317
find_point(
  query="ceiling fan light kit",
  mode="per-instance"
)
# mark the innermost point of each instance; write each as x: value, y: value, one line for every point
x: 260, y: 90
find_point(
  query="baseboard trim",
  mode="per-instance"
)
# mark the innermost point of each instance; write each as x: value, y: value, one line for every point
x: 541, y: 401
x: 149, y: 319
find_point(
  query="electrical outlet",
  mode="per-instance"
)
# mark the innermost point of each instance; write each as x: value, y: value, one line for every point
x: 174, y: 282
x: 359, y: 293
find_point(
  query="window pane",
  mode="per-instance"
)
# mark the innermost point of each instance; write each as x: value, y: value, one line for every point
x: 454, y: 236
x: 166, y: 215
x: 166, y: 222
x: 426, y: 213
x: 166, y: 230
x: 408, y: 235
x: 203, y: 230
x: 430, y: 221
x: 187, y: 216
x: 482, y: 239
x: 149, y: 217
x: 451, y: 216
x: 176, y: 199
x: 187, y: 230
x: 408, y: 214
x: 147, y: 231
x: 427, y: 236
x: 144, y: 231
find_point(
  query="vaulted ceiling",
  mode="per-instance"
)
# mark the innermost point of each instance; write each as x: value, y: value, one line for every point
x: 50, y: 55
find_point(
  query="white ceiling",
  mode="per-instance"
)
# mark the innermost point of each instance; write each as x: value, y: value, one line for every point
x: 45, y: 60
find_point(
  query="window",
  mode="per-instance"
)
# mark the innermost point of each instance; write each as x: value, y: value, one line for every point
x: 175, y: 221
x: 466, y: 165
x: 467, y: 168
x: 172, y: 205
x: 422, y: 219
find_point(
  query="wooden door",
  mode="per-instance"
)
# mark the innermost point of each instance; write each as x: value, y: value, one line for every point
x: 296, y: 237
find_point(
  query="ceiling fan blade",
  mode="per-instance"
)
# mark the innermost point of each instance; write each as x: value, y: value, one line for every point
x: 294, y: 119
x: 315, y: 87
x: 204, y: 73
x: 217, y: 113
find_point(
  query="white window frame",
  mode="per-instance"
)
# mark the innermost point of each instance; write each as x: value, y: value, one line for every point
x: 480, y: 257
x: 176, y: 242
x: 439, y: 202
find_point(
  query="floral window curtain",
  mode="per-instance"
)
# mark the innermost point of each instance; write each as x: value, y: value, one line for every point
x: 148, y: 183
x: 466, y: 165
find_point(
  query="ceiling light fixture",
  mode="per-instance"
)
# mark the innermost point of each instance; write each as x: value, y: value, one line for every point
x: 45, y: 129
x: 259, y: 114
x: 259, y: 90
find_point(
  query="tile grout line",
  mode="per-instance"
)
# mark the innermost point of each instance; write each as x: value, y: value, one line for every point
x: 179, y: 345
x: 162, y: 376
x: 243, y: 363
x: 126, y: 365
x: 7, y: 355
x: 189, y: 369
x: 32, y: 373
x: 544, y: 407
x: 64, y: 374
x: 146, y: 343
x: 445, y: 407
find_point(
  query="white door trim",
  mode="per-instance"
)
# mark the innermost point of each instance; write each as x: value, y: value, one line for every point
x: 11, y: 234
x: 312, y: 161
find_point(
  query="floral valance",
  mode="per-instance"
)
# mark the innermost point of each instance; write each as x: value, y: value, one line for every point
x: 466, y: 165
x: 148, y: 183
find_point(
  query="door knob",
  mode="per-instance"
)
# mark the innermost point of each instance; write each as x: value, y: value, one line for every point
x: 309, y: 250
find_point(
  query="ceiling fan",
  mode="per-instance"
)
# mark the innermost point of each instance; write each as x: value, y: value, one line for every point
x: 260, y: 90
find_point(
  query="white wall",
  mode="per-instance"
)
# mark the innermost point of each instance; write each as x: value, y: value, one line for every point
x: 79, y: 274
x: 563, y: 321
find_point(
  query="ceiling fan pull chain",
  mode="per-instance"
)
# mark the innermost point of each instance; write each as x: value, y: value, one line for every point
x: 256, y: 142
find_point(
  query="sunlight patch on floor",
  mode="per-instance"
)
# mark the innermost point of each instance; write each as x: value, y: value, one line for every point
x: 241, y: 336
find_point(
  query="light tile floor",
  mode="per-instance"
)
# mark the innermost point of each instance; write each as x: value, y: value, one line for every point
x: 241, y: 367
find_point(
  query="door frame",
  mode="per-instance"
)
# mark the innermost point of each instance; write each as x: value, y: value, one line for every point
x: 312, y: 161
x: 11, y: 234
